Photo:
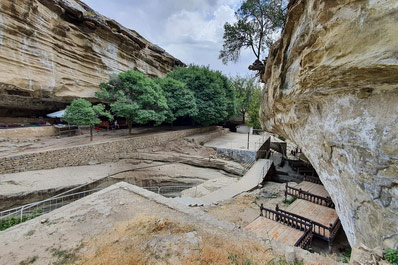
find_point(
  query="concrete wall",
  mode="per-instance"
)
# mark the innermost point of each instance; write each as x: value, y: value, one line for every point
x: 28, y: 132
x: 91, y: 153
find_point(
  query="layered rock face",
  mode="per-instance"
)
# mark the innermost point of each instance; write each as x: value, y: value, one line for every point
x: 55, y: 50
x: 332, y: 88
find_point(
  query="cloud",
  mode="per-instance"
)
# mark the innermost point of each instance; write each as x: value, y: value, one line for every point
x: 190, y: 30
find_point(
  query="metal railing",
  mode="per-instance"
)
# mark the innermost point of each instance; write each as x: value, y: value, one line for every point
x: 50, y: 204
x: 44, y: 206
x: 167, y: 190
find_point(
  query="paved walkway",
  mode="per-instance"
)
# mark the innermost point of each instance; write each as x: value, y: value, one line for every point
x: 238, y: 141
x: 249, y: 181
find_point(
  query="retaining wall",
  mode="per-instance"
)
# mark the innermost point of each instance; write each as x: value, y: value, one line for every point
x: 91, y: 153
x: 28, y: 132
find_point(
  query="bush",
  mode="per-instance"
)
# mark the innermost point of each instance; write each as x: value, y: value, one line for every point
x: 11, y: 221
x: 391, y: 255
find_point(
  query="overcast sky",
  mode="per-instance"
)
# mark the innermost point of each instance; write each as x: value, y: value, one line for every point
x: 190, y: 30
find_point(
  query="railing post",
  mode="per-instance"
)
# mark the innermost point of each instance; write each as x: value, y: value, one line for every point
x: 261, y: 209
x: 286, y: 191
x: 22, y: 212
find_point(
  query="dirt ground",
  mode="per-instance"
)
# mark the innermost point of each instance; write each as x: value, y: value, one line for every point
x: 118, y: 226
x: 244, y: 208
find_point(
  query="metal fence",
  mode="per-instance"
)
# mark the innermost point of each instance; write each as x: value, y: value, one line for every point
x: 45, y: 206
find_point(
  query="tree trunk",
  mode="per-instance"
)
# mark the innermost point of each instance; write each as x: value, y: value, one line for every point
x: 244, y: 117
x: 129, y: 123
x: 172, y: 125
x: 91, y: 133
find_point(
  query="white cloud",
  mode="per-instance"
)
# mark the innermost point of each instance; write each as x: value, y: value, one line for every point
x: 190, y: 30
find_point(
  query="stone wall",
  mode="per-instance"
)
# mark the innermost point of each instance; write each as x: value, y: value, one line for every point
x: 28, y: 132
x: 91, y: 153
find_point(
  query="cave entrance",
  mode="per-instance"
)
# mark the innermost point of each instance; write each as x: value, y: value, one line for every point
x: 305, y: 197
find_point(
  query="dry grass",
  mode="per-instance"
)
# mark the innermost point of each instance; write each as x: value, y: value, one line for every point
x: 153, y: 240
x: 224, y: 251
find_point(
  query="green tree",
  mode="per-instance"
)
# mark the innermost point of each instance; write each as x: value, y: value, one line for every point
x: 180, y: 100
x: 244, y: 88
x: 254, y: 109
x: 258, y: 23
x: 136, y: 98
x: 81, y: 112
x: 213, y: 93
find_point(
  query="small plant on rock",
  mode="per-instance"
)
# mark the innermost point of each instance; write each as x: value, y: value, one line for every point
x: 391, y: 255
x: 289, y: 201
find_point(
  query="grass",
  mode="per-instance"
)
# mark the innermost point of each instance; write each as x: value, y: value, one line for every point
x: 289, y: 201
x: 63, y: 257
x: 171, y: 246
x: 29, y: 261
x: 282, y: 261
x: 391, y: 255
x: 11, y: 221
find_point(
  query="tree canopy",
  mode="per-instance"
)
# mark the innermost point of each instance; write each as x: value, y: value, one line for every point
x: 244, y: 88
x: 81, y: 112
x: 258, y: 23
x: 136, y: 98
x: 213, y: 93
x: 254, y: 109
x: 181, y: 101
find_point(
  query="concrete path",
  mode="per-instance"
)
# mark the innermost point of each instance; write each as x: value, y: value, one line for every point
x: 249, y: 181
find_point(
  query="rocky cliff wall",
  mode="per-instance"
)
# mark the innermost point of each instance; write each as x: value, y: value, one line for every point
x: 332, y: 88
x: 55, y: 50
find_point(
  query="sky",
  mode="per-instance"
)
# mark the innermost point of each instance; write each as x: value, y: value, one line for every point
x: 190, y: 30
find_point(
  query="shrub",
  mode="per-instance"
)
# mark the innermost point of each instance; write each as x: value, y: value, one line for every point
x: 391, y: 255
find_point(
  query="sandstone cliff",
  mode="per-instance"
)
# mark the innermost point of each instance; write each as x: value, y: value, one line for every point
x: 332, y: 87
x: 54, y: 50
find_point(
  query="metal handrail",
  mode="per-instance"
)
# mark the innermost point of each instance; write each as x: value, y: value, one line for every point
x: 24, y: 208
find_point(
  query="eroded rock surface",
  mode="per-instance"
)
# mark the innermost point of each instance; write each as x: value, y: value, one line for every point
x: 54, y: 50
x: 332, y: 88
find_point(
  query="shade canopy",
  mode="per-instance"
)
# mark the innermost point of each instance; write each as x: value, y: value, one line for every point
x: 58, y: 114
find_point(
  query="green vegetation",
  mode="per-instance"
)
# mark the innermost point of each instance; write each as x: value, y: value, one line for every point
x: 248, y: 99
x: 289, y: 201
x: 254, y: 110
x: 180, y: 100
x: 11, y: 221
x: 81, y: 112
x: 391, y: 255
x: 136, y: 98
x: 244, y: 88
x: 63, y: 257
x: 282, y: 261
x: 193, y: 93
x: 213, y: 93
x: 29, y: 261
x: 347, y: 255
x: 258, y: 22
